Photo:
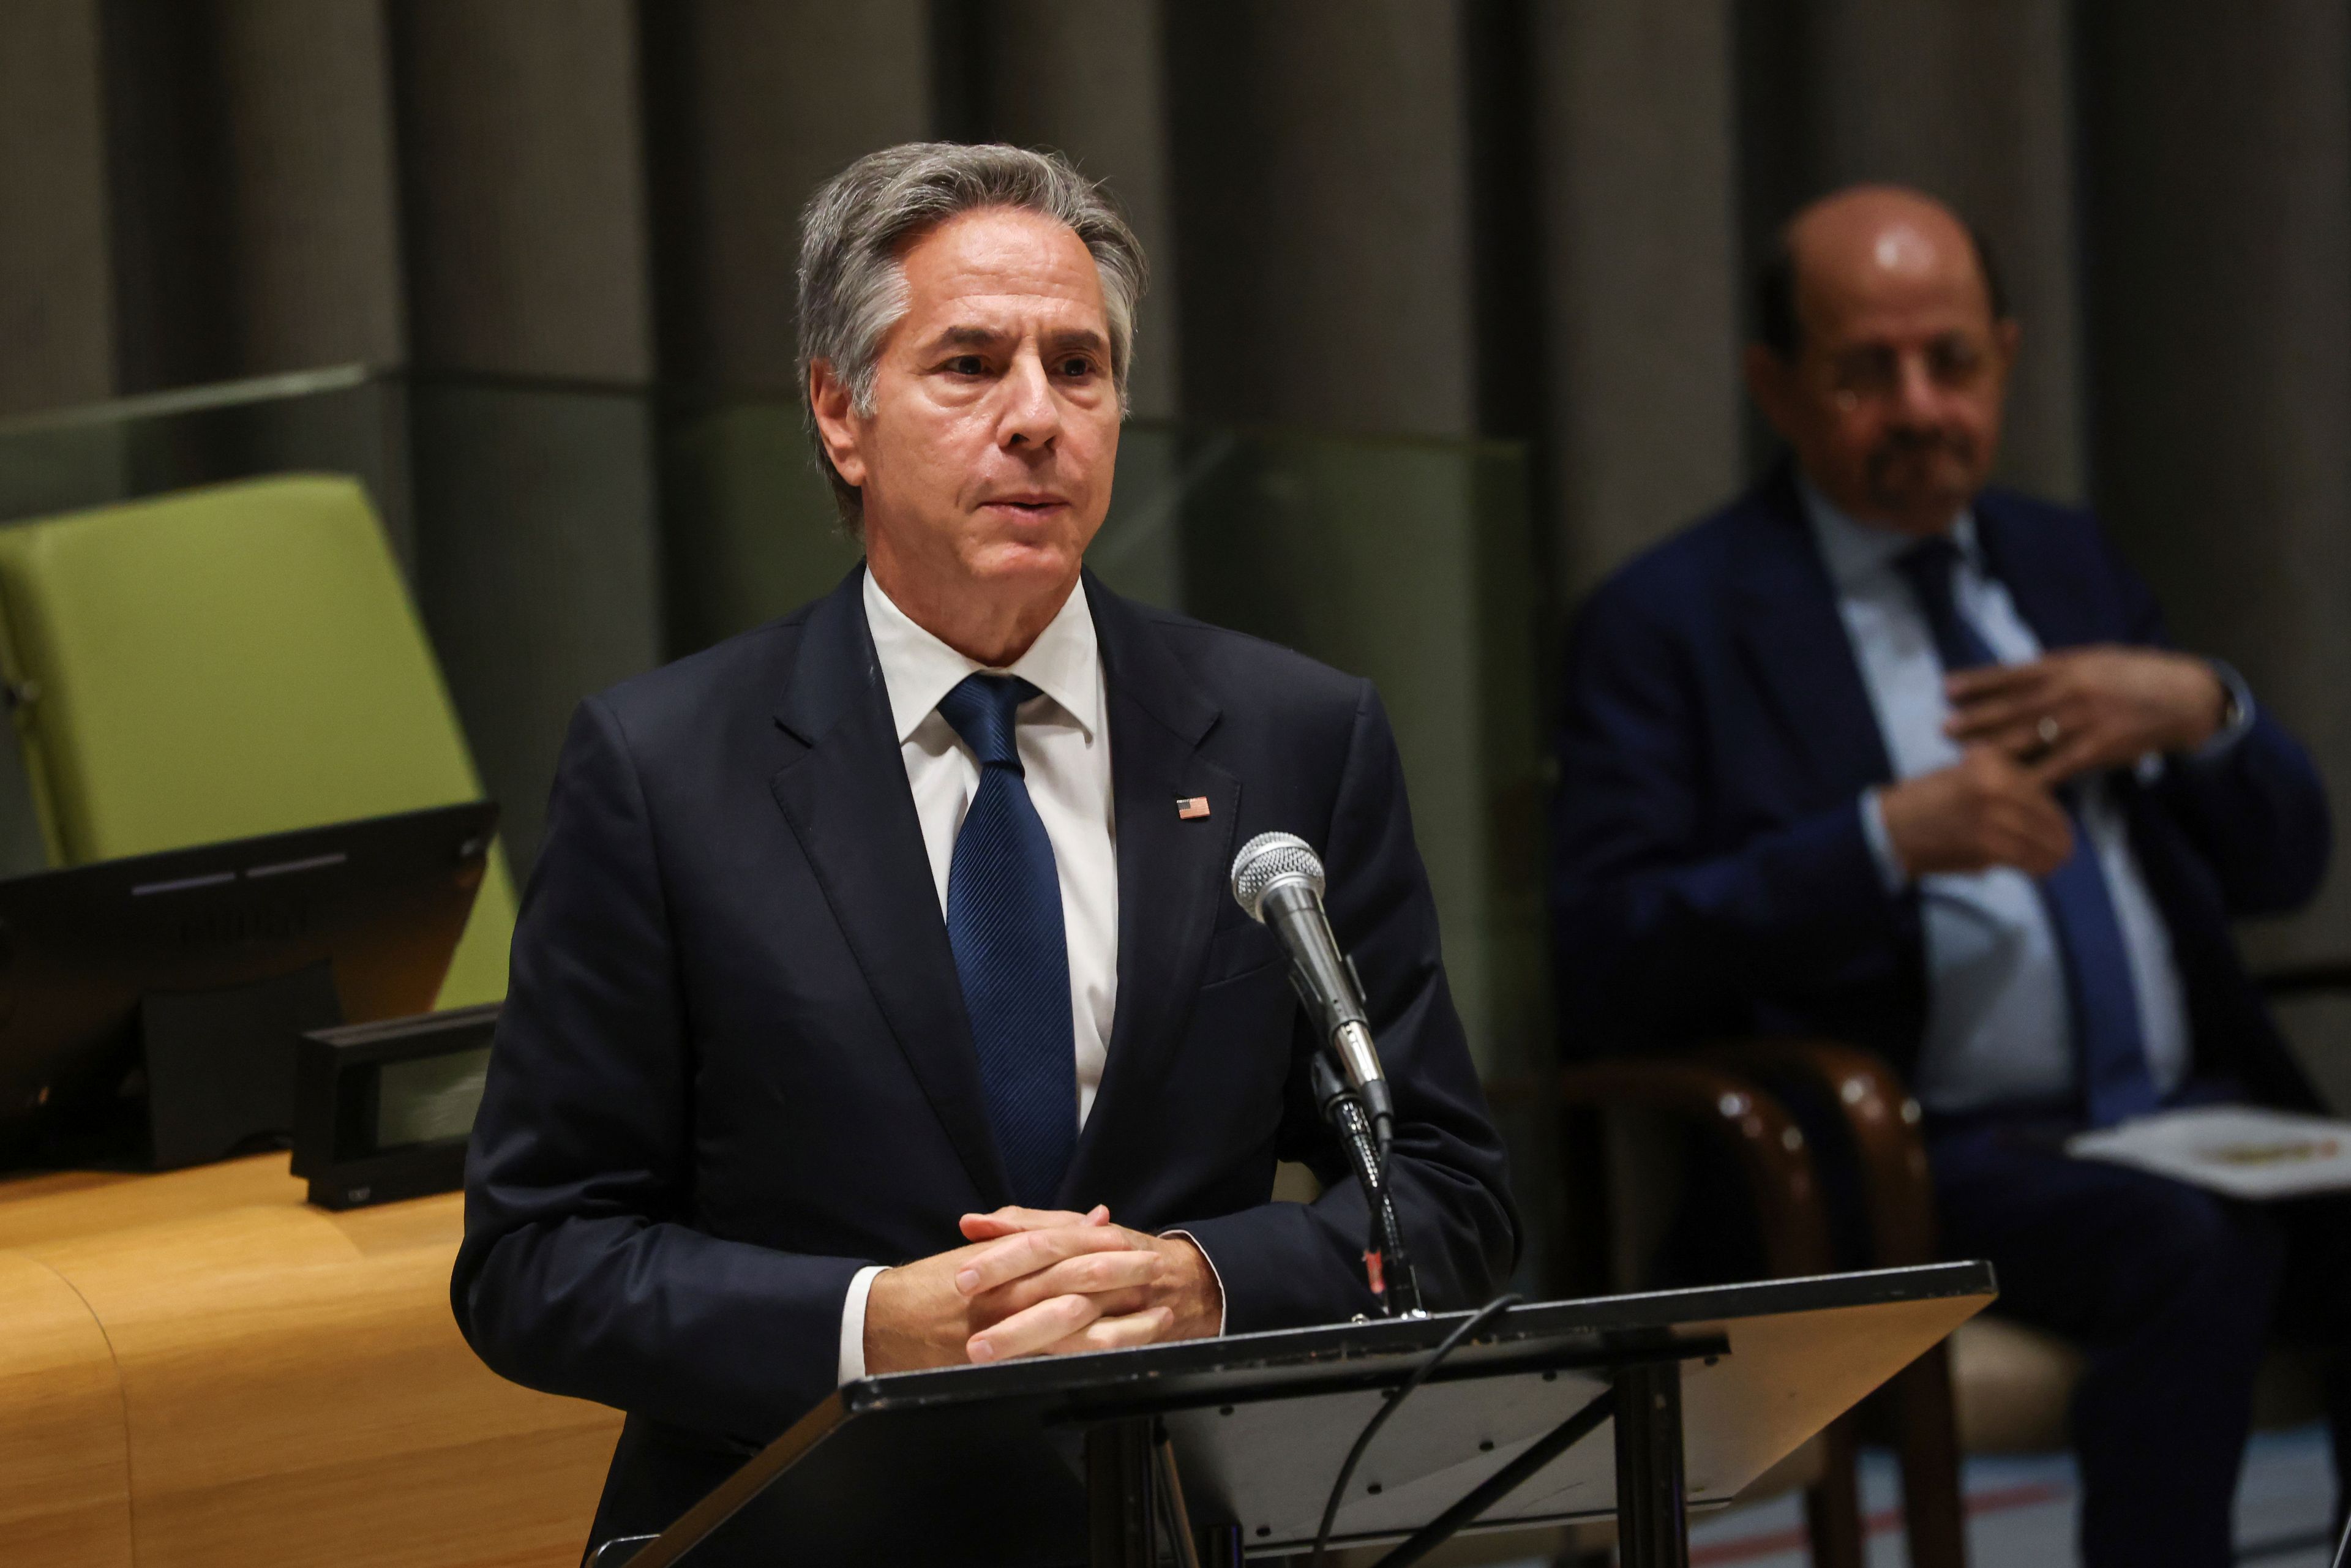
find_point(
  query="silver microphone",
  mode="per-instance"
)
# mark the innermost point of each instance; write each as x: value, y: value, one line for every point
x: 1278, y: 881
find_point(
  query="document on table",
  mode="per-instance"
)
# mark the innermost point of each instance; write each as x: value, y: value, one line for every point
x: 2238, y: 1151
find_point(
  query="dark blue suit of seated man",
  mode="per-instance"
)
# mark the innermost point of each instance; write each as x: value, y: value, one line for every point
x: 1880, y: 754
x: 878, y: 1002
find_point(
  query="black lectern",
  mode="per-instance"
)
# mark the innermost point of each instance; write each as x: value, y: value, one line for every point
x: 1213, y: 1449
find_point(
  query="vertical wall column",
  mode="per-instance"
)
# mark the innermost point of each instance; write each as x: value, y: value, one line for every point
x: 287, y: 234
x: 749, y: 108
x: 57, y: 276
x: 1322, y: 173
x: 1971, y: 101
x: 57, y: 295
x: 251, y: 175
x: 1086, y: 77
x: 2219, y: 243
x: 525, y: 188
x: 1638, y: 203
x: 1323, y: 163
x: 315, y: 233
x: 523, y: 175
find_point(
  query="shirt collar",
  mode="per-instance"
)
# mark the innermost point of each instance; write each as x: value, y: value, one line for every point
x: 1855, y: 551
x: 1064, y: 663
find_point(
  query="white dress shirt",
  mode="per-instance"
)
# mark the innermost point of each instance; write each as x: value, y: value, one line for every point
x: 1063, y: 738
x: 2000, y: 1029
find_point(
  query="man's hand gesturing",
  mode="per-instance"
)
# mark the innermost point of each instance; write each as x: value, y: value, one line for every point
x: 1039, y: 1281
x: 2029, y: 729
x: 1985, y: 809
x: 2083, y: 710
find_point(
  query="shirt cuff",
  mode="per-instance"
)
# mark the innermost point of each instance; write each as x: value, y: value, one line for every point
x: 2236, y: 723
x: 1223, y: 1306
x: 1881, y: 842
x: 853, y: 1324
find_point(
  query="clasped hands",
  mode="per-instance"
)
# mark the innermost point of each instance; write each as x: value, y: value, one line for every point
x: 2028, y: 729
x: 1040, y: 1283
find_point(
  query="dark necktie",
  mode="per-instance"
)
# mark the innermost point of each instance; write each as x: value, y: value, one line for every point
x: 1004, y: 922
x: 2115, y: 1082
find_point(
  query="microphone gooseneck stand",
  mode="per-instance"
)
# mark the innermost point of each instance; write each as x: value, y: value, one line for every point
x: 1387, y: 1266
x: 1278, y: 880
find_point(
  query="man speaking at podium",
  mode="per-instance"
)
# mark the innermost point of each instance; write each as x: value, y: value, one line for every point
x: 877, y: 1000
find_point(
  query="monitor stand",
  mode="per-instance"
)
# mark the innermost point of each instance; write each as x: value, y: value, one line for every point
x: 219, y: 1064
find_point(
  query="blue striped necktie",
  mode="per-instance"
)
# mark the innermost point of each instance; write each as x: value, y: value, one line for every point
x: 1004, y: 922
x: 2116, y: 1082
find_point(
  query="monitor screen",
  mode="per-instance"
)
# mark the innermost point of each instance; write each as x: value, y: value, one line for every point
x: 380, y: 903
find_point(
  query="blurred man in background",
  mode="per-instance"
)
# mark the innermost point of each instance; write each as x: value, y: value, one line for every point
x: 1880, y: 754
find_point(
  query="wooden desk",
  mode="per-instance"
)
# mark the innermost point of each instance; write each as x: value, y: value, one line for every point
x: 198, y: 1369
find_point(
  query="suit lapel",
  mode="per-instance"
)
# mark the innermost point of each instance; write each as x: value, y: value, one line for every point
x: 846, y: 797
x: 1794, y: 641
x: 1171, y: 871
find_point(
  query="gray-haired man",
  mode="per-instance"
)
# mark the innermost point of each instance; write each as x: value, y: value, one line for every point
x: 877, y: 1003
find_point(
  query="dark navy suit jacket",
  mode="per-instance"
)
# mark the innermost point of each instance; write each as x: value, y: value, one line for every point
x: 734, y: 1066
x: 1711, y: 878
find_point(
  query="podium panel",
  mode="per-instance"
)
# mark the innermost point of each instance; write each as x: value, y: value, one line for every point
x: 987, y: 1465
x: 1786, y: 1375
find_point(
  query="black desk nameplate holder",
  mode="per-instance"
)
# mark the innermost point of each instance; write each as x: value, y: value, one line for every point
x: 1068, y: 1460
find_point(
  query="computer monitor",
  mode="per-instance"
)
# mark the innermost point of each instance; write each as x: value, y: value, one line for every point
x: 149, y: 1006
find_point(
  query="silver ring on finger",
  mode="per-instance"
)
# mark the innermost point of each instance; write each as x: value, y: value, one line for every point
x: 2049, y: 729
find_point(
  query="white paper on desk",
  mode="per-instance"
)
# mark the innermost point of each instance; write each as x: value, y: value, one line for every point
x: 2238, y: 1151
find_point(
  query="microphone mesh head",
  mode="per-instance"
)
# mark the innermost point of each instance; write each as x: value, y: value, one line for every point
x: 1269, y: 858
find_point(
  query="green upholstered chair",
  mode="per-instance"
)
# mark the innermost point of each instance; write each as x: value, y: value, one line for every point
x: 221, y: 662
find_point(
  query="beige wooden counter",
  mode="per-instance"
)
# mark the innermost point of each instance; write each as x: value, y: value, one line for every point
x: 198, y: 1369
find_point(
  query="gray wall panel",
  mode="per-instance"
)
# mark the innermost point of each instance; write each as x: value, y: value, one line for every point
x: 56, y: 306
x: 537, y: 558
x: 1321, y: 177
x: 1637, y: 195
x: 1086, y: 77
x: 2221, y: 227
x: 535, y: 551
x: 315, y: 235
x: 753, y: 103
x: 523, y: 187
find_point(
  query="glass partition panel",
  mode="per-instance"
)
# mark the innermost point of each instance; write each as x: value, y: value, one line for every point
x: 343, y: 420
x: 749, y: 526
x: 560, y: 538
x: 537, y: 565
x: 1408, y: 562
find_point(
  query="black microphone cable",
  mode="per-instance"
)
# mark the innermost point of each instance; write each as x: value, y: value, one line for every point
x: 1469, y: 1326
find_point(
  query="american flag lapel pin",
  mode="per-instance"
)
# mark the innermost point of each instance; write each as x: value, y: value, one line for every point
x: 1191, y: 808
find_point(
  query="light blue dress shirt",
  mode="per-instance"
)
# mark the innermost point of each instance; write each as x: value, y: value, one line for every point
x: 1999, y: 1026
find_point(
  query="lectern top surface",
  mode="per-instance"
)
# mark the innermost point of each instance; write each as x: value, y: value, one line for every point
x: 1343, y: 1351
x: 1260, y: 1422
